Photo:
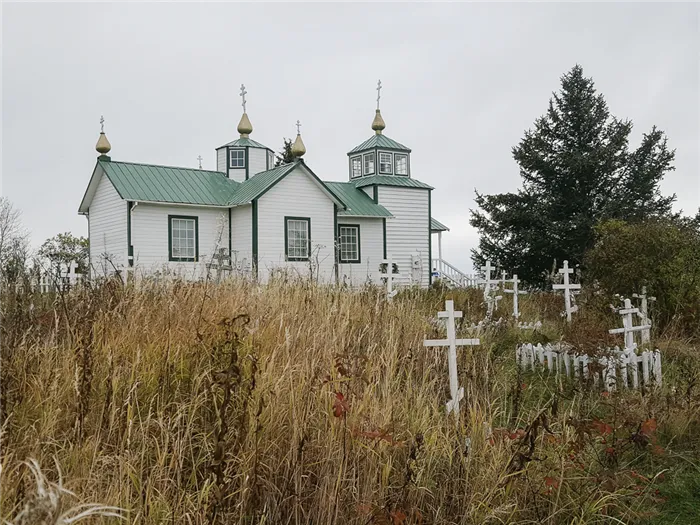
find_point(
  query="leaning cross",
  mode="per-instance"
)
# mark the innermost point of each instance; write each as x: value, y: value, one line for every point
x: 221, y: 257
x: 452, y: 342
x: 567, y: 287
x: 644, y: 310
x: 515, y: 293
x: 628, y: 327
x: 389, y: 275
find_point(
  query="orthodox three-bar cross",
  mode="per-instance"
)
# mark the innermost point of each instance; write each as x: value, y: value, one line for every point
x: 379, y: 89
x: 644, y: 310
x: 515, y: 293
x: 200, y: 159
x: 389, y: 275
x: 567, y: 287
x: 222, y: 264
x: 102, y: 123
x: 628, y: 327
x: 298, y: 127
x: 243, y: 94
x: 452, y: 343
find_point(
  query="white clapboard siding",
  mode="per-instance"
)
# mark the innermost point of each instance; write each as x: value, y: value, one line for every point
x: 297, y: 195
x: 257, y: 161
x: 242, y: 232
x: 221, y: 160
x: 408, y: 233
x: 371, y: 252
x: 149, y: 237
x: 107, y: 229
x: 237, y: 174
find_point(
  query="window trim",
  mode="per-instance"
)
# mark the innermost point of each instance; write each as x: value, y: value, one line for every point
x: 359, y: 245
x: 397, y: 156
x: 352, y: 171
x: 170, y: 238
x: 230, y: 158
x: 286, y: 238
x: 391, y: 163
x: 365, y: 172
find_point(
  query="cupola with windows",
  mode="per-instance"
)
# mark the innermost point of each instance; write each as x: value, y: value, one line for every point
x: 242, y: 158
x: 379, y: 155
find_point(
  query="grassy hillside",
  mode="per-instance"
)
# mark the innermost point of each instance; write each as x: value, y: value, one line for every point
x: 290, y: 403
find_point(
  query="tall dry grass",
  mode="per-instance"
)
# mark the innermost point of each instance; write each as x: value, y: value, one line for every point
x: 294, y: 403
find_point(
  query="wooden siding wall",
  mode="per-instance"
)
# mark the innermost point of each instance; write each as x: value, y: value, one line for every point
x: 107, y: 229
x: 237, y: 174
x: 257, y: 161
x: 221, y: 160
x: 242, y: 232
x: 149, y: 236
x: 371, y: 252
x: 296, y: 195
x: 408, y: 232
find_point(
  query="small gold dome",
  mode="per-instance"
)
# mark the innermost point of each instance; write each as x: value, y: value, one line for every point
x: 103, y: 146
x: 378, y: 123
x: 245, y: 128
x: 298, y: 148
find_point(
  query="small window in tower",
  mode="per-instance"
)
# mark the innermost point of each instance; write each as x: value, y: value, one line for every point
x: 355, y: 167
x: 270, y: 160
x: 369, y: 163
x: 237, y: 158
x: 385, y: 163
x: 401, y: 164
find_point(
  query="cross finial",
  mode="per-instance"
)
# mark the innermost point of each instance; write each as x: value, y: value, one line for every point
x: 243, y: 94
x: 199, y: 158
x: 102, y: 124
x: 379, y: 89
x: 298, y: 128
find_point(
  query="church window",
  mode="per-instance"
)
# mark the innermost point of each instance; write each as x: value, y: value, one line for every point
x: 237, y: 158
x: 297, y: 238
x: 349, y: 243
x: 385, y: 163
x: 401, y: 164
x: 369, y: 163
x: 356, y: 167
x: 183, y: 241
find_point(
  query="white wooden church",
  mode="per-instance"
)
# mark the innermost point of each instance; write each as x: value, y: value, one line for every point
x: 146, y: 219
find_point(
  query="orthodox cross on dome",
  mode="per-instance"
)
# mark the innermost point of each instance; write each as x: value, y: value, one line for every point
x: 199, y: 158
x: 243, y: 94
x: 102, y: 124
x: 298, y: 127
x: 379, y: 89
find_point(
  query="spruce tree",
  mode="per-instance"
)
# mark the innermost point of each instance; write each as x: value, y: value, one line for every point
x: 576, y: 170
x: 285, y: 156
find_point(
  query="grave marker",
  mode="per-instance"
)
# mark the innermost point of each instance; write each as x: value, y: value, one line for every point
x: 567, y: 287
x: 515, y: 293
x: 644, y: 311
x: 221, y: 257
x: 628, y: 327
x: 389, y: 275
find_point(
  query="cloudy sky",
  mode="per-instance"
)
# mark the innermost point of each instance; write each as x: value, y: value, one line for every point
x: 461, y: 84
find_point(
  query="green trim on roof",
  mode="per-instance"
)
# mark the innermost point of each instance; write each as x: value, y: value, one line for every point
x: 356, y: 201
x: 437, y: 226
x: 390, y: 180
x: 169, y: 184
x: 244, y: 142
x: 381, y: 142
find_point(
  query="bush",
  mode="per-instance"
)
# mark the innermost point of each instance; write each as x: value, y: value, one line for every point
x: 661, y: 254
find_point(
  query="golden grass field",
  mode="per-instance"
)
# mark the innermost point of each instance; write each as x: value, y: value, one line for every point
x: 292, y: 403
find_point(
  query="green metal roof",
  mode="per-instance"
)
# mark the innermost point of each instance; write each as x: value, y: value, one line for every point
x: 390, y: 180
x: 149, y: 182
x: 437, y: 226
x: 357, y: 202
x: 259, y: 183
x: 379, y: 141
x: 242, y: 142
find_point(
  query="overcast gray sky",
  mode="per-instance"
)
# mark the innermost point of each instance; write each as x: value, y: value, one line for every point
x: 461, y: 84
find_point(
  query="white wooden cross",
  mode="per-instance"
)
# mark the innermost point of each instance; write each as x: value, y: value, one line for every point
x: 221, y: 257
x: 567, y: 287
x: 389, y: 275
x: 70, y: 276
x: 628, y: 327
x: 452, y: 343
x: 515, y: 293
x: 487, y: 282
x: 644, y: 310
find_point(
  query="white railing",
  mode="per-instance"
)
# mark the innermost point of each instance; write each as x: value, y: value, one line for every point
x: 444, y: 270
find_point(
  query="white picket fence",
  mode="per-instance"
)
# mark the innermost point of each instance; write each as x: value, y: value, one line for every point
x: 618, y: 367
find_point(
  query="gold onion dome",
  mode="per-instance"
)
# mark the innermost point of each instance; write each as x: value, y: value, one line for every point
x: 298, y: 148
x: 378, y: 123
x: 103, y: 146
x: 245, y: 128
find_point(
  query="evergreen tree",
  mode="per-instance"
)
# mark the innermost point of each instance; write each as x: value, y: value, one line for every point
x: 285, y: 156
x: 576, y: 170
